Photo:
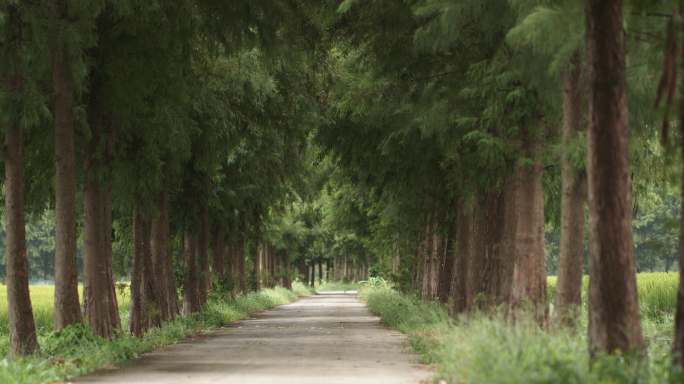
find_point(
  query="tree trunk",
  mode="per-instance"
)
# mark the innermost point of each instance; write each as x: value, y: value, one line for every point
x: 191, y: 291
x: 158, y: 245
x: 204, y: 281
x: 286, y: 267
x: 107, y: 231
x: 113, y: 301
x: 164, y: 248
x: 320, y: 269
x: 96, y: 304
x: 67, y: 306
x: 274, y: 261
x: 22, y: 327
x: 217, y: 248
x: 396, y: 259
x: 678, y: 344
x: 257, y: 251
x: 449, y: 265
x: 346, y: 271
x: 504, y: 251
x: 337, y: 270
x: 529, y: 265
x: 241, y: 271
x: 478, y: 258
x: 231, y: 255
x: 313, y: 274
x: 150, y: 297
x: 135, y: 321
x: 568, y: 296
x: 487, y: 284
x: 464, y: 244
x: 614, y: 321
x: 428, y: 257
x: 191, y: 302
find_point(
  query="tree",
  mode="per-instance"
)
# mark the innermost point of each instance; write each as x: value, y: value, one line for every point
x: 614, y: 322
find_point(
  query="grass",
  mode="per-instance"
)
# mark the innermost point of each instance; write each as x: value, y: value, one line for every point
x: 489, y: 349
x: 76, y: 351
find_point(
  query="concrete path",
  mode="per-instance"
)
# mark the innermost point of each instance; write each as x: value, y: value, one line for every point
x: 328, y: 338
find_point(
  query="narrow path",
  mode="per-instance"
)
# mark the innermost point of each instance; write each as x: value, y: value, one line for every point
x: 328, y: 338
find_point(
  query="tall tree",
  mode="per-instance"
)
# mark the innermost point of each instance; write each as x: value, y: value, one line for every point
x: 22, y: 327
x: 568, y: 295
x: 614, y: 322
x: 67, y: 306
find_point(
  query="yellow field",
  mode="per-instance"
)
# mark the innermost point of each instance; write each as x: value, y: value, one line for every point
x: 42, y: 300
x: 657, y: 291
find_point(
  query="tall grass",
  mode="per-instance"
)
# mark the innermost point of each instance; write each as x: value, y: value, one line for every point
x: 481, y: 348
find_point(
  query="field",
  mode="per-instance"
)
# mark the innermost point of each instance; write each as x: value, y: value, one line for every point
x: 42, y: 301
x: 657, y: 292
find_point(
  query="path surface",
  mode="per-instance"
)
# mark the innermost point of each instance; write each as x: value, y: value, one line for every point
x: 328, y: 338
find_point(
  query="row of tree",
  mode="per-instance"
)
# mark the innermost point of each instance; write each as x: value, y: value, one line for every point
x: 458, y: 131
x: 444, y: 136
x: 160, y: 132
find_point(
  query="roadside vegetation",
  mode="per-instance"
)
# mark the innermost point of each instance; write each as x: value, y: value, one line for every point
x: 76, y: 350
x: 486, y: 347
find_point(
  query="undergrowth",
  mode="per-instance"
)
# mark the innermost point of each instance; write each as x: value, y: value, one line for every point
x: 76, y: 350
x: 489, y: 349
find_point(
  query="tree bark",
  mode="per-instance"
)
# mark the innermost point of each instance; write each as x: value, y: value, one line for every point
x: 150, y: 297
x: 217, y: 248
x: 107, y: 234
x: 678, y: 344
x: 231, y: 256
x: 320, y: 269
x: 204, y: 281
x: 190, y: 282
x: 614, y: 321
x: 529, y: 265
x: 504, y: 251
x: 22, y: 327
x: 286, y: 267
x: 158, y: 245
x: 337, y: 270
x: 162, y: 226
x: 464, y: 244
x: 479, y: 255
x: 346, y: 271
x: 96, y: 305
x: 487, y: 284
x: 304, y: 271
x: 242, y: 272
x: 113, y: 301
x: 428, y: 257
x: 568, y: 296
x: 135, y: 322
x: 67, y: 306
x: 396, y: 258
x: 449, y: 265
